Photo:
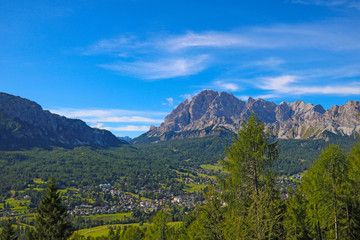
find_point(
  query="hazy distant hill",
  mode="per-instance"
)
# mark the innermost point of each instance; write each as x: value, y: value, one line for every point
x: 126, y: 138
x: 24, y: 123
x: 214, y: 113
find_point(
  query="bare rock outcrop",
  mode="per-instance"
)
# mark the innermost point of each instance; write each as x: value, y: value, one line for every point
x: 297, y: 120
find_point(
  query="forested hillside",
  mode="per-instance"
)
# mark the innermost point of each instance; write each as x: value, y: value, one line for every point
x: 244, y: 203
x: 87, y: 165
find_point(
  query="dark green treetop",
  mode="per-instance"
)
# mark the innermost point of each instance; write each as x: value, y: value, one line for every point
x: 52, y: 221
x: 8, y: 232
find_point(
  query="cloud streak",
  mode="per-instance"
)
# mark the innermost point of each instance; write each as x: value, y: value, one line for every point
x: 269, y: 62
x: 330, y: 3
x: 129, y: 128
x: 206, y: 39
x: 113, y: 119
x: 335, y: 35
x: 289, y: 85
x: 80, y: 113
x: 274, y: 50
x: 161, y: 69
x: 169, y: 102
x: 226, y: 85
x: 173, y: 56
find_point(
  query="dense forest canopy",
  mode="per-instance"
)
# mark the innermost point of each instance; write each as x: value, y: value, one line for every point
x: 244, y: 203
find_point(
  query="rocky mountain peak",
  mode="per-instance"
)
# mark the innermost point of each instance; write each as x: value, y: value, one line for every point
x: 200, y: 103
x: 210, y: 109
x: 320, y: 109
x: 264, y: 109
x: 250, y: 100
x: 353, y: 104
x: 24, y: 123
x: 283, y: 111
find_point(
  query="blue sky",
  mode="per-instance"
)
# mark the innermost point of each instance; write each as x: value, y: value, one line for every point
x: 123, y: 65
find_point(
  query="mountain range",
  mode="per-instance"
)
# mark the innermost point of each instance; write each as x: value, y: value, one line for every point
x: 215, y: 113
x: 23, y: 123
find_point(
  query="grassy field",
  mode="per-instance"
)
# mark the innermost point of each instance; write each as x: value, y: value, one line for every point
x: 137, y: 196
x: 192, y: 187
x: 104, y: 230
x: 109, y: 217
x: 205, y: 175
x: 37, y: 189
x: 39, y: 181
x: 95, y: 231
x: 192, y: 176
x: 182, y: 173
x: 215, y: 167
x: 17, y: 205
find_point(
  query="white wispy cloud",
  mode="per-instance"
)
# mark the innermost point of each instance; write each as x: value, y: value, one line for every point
x: 331, y: 3
x: 107, y: 46
x: 186, y: 96
x: 98, y: 125
x: 243, y: 97
x: 119, y: 46
x: 129, y: 128
x: 132, y: 119
x: 207, y: 39
x: 169, y: 102
x: 113, y: 119
x: 226, y: 85
x: 290, y: 85
x: 338, y: 72
x: 270, y: 62
x: 279, y: 84
x: 80, y: 113
x: 164, y: 68
x: 213, y: 39
x: 173, y: 56
x: 332, y: 34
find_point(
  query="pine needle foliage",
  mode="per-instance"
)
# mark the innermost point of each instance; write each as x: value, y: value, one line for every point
x: 52, y: 221
x: 253, y: 204
x: 8, y: 232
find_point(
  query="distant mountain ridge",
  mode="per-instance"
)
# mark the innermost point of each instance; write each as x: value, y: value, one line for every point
x: 23, y: 123
x: 126, y: 138
x: 212, y: 113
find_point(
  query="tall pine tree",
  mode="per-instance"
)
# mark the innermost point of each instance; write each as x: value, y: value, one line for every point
x: 253, y: 203
x: 327, y: 189
x: 52, y: 221
x: 8, y: 232
x: 159, y: 229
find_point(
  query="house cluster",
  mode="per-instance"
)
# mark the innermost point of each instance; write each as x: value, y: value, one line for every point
x: 283, y: 183
x: 188, y: 201
x: 8, y: 213
x: 89, y: 210
x: 124, y: 203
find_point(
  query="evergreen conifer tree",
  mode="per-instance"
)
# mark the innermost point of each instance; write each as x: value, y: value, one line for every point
x: 51, y: 221
x: 254, y: 207
x: 327, y: 189
x: 159, y: 230
x: 8, y: 232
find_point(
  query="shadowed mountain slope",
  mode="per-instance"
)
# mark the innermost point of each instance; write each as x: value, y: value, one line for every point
x: 23, y: 123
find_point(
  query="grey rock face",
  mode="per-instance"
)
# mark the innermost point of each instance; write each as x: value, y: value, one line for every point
x: 297, y: 120
x: 24, y: 121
